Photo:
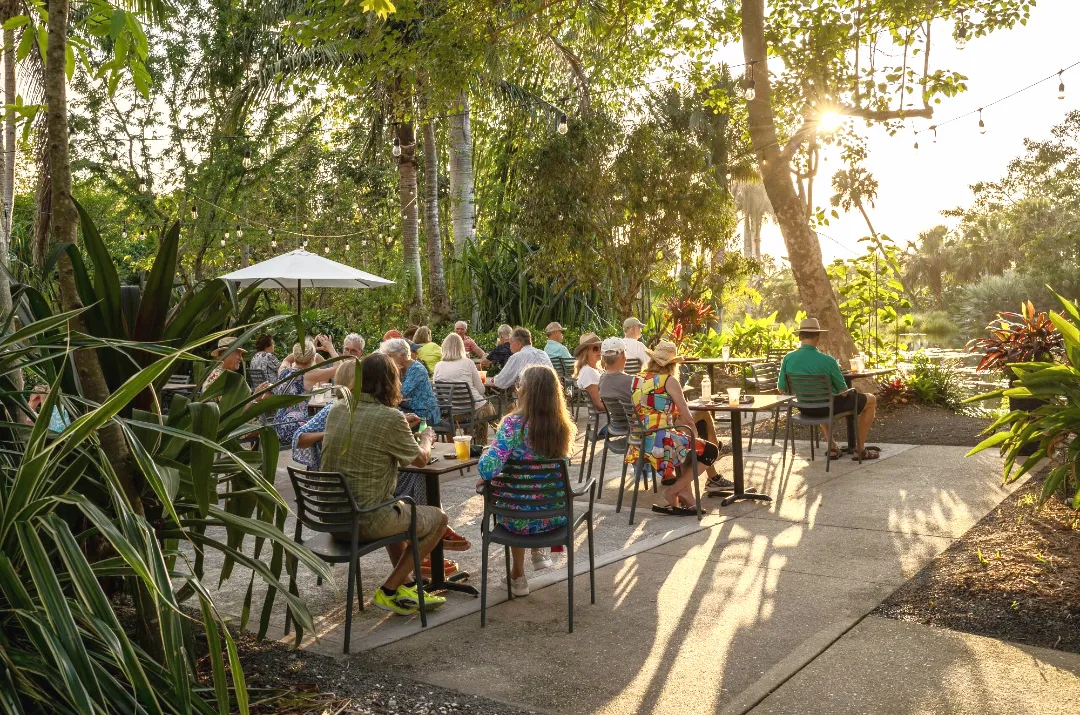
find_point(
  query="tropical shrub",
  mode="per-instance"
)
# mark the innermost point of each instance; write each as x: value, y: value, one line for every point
x: 934, y: 383
x: 1026, y: 336
x: 752, y: 337
x: 1054, y: 425
x: 975, y: 304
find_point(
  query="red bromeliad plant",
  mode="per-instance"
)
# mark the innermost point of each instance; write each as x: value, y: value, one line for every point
x: 688, y: 315
x: 1018, y: 337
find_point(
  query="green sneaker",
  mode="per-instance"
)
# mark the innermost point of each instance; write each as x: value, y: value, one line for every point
x: 393, y: 604
x: 407, y: 595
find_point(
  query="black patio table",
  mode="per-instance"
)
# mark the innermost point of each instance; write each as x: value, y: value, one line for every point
x: 758, y: 403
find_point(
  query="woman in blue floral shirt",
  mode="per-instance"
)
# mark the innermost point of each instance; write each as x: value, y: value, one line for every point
x: 540, y: 428
x: 416, y: 393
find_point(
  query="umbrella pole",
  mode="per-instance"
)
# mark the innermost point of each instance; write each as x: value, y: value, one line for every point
x: 299, y: 313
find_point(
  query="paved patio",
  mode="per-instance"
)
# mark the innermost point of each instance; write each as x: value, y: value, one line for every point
x: 714, y: 616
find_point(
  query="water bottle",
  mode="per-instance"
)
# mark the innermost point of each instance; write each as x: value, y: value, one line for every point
x: 706, y: 388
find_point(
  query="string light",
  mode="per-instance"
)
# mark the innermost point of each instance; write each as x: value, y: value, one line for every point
x: 961, y: 33
x: 396, y: 151
x: 194, y: 212
x: 273, y: 239
x: 751, y: 84
x: 326, y: 249
x: 247, y: 159
x: 562, y: 128
x: 224, y: 238
x: 114, y: 159
x: 123, y: 234
x: 982, y: 124
x: 1061, y: 85
x: 346, y: 247
x: 142, y: 186
x: 934, y: 129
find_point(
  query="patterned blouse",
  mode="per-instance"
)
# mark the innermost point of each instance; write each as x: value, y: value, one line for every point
x: 664, y: 450
x: 288, y: 419
x: 311, y: 457
x: 512, y: 442
x: 417, y: 395
x: 267, y: 364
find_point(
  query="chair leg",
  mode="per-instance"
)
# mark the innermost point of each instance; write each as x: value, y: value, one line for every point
x: 570, y: 577
x: 359, y: 587
x: 788, y: 437
x: 622, y: 487
x: 483, y: 582
x: 638, y: 470
x: 813, y: 433
x: 509, y: 585
x: 775, y: 423
x: 655, y: 479
x: 603, y: 468
x: 753, y: 424
x: 584, y: 452
x: 419, y: 582
x: 592, y: 559
x: 348, y: 599
x: 828, y: 448
x: 290, y: 566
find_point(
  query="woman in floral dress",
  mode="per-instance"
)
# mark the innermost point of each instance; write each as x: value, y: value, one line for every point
x: 289, y: 419
x: 659, y: 402
x: 540, y: 428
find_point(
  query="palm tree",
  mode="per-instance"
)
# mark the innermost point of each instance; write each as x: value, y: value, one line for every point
x: 855, y: 188
x: 927, y: 260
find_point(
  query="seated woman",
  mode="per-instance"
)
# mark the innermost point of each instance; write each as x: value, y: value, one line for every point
x: 288, y: 419
x: 659, y: 402
x: 540, y: 427
x: 416, y: 393
x: 586, y: 358
x: 429, y: 352
x: 264, y: 363
x: 456, y: 366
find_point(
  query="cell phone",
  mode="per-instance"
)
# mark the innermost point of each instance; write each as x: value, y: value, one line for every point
x: 434, y: 458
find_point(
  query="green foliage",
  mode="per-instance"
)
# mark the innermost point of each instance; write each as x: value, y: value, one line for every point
x: 935, y: 324
x: 874, y: 305
x: 752, y: 337
x: 935, y: 383
x: 1055, y: 425
x: 976, y: 304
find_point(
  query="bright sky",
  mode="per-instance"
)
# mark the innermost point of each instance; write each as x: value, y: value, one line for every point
x: 914, y: 186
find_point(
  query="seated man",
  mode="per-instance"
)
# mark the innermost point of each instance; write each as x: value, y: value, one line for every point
x: 635, y: 349
x: 806, y: 360
x: 614, y: 383
x: 471, y: 348
x: 524, y: 354
x: 501, y: 352
x: 368, y: 446
x: 554, y: 346
x: 354, y: 345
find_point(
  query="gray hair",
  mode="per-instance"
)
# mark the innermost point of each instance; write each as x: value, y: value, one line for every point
x: 521, y: 335
x: 504, y: 331
x: 461, y: 324
x: 355, y: 338
x: 396, y: 346
x: 305, y: 354
x: 453, y: 347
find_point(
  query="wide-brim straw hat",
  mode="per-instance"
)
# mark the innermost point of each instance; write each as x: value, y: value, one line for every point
x: 585, y: 342
x: 665, y: 353
x: 811, y: 325
x: 224, y: 344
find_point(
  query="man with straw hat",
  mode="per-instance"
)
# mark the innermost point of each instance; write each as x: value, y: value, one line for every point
x: 554, y: 346
x: 231, y: 362
x: 808, y: 360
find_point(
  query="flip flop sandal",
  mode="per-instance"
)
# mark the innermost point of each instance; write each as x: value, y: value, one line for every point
x: 684, y: 510
x: 671, y: 510
x: 867, y: 454
x: 450, y: 567
x: 835, y: 453
x: 872, y: 448
x: 453, y: 541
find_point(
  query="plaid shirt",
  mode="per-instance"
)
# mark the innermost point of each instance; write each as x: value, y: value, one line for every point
x: 368, y: 447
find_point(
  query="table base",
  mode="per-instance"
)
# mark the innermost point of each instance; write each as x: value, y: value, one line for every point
x: 730, y: 497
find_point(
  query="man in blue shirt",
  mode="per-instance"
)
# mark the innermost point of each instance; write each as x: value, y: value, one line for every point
x: 807, y: 360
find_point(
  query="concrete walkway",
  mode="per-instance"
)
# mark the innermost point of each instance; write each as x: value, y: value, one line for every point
x: 759, y: 608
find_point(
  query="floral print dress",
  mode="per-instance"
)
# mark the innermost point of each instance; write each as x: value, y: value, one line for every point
x: 665, y: 451
x: 288, y: 419
x: 512, y: 442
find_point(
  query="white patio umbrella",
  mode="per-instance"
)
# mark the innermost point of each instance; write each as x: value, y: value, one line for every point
x: 305, y: 270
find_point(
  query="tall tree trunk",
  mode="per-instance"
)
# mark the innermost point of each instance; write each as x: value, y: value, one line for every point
x: 42, y: 206
x: 7, y: 177
x: 747, y: 236
x: 461, y: 176
x: 804, y: 251
x: 410, y: 225
x: 440, y: 301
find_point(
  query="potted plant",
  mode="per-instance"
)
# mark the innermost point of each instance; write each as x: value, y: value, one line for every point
x: 1015, y: 338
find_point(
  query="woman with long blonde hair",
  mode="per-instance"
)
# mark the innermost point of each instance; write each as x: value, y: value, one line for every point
x: 540, y: 428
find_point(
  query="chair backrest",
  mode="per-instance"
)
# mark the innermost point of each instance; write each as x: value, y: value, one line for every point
x: 633, y: 366
x: 764, y: 375
x: 256, y: 376
x: 775, y: 355
x: 542, y: 486
x: 618, y: 422
x: 323, y: 500
x: 634, y: 423
x: 810, y: 390
x: 454, y: 398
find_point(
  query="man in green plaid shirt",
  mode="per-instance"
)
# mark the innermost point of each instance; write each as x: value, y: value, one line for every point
x: 368, y: 446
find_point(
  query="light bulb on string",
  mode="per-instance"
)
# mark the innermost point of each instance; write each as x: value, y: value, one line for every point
x: 346, y: 246
x: 563, y: 128
x: 751, y: 91
x: 396, y: 151
x: 961, y: 36
x: 142, y: 186
x: 982, y: 124
x: 247, y: 159
x: 273, y: 239
x: 194, y: 213
x: 326, y: 249
x: 114, y: 159
x: 239, y: 232
x: 1061, y: 85
x: 934, y: 129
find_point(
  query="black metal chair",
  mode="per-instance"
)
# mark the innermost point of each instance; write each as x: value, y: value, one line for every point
x: 324, y: 504
x: 815, y: 391
x: 763, y: 381
x: 592, y: 436
x: 575, y: 396
x: 458, y: 409
x: 776, y: 355
x: 521, y: 485
x: 633, y: 366
x: 636, y: 438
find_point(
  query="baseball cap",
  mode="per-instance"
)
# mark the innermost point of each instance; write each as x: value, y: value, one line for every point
x: 612, y: 346
x: 553, y: 327
x: 632, y: 323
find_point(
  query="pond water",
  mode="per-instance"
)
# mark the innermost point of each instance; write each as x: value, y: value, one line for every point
x: 972, y: 382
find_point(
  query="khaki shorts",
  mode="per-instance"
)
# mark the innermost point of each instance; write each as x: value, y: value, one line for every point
x: 428, y: 521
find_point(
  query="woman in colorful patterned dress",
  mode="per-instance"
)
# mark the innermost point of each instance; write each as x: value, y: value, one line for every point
x: 540, y: 428
x: 288, y: 419
x: 659, y: 402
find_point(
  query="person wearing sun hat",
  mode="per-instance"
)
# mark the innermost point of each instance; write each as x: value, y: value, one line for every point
x: 808, y: 360
x: 554, y: 346
x: 632, y: 345
x: 658, y: 400
x: 232, y: 361
x: 586, y: 358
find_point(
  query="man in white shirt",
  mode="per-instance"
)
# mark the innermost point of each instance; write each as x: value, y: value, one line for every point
x: 523, y: 355
x: 634, y: 348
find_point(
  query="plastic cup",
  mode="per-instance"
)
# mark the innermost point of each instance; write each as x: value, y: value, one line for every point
x: 461, y: 446
x: 483, y: 376
x: 856, y: 364
x: 733, y: 395
x: 725, y: 352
